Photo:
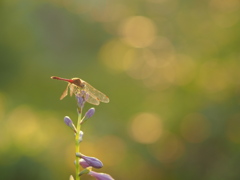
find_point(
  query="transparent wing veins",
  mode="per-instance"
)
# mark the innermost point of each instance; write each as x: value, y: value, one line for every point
x: 95, y: 93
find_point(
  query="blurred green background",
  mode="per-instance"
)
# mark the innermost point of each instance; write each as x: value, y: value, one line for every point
x: 170, y: 68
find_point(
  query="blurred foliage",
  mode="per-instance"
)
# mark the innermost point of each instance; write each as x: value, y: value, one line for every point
x: 170, y: 68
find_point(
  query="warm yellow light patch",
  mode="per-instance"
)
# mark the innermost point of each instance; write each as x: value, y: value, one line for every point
x: 138, y: 31
x: 146, y: 128
x: 116, y: 55
x: 25, y: 129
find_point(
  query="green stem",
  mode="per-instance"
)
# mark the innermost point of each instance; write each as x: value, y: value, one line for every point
x: 77, y: 145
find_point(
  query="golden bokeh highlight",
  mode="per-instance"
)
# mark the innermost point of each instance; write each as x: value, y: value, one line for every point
x: 159, y: 66
x: 116, y: 55
x: 195, y: 128
x: 145, y: 128
x: 138, y: 31
x: 169, y: 149
x: 233, y: 129
x: 24, y: 129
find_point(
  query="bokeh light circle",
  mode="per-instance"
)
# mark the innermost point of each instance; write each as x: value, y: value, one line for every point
x: 146, y: 128
x: 138, y: 31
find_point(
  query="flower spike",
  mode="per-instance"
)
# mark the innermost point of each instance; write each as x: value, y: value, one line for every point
x: 83, y: 92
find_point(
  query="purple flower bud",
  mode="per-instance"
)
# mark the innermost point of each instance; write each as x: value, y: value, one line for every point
x: 83, y: 163
x: 91, y: 161
x: 100, y: 176
x: 90, y: 113
x: 80, y: 100
x: 69, y: 123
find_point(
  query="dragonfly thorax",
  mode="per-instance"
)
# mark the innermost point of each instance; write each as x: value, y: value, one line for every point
x: 77, y: 82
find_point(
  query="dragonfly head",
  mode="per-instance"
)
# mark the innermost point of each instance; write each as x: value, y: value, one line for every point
x: 77, y: 82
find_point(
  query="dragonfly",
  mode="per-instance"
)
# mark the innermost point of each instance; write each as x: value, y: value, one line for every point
x: 78, y: 86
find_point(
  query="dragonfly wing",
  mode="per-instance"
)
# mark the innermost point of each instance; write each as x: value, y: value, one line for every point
x: 72, y: 89
x: 95, y: 93
x: 93, y: 100
x: 65, y: 93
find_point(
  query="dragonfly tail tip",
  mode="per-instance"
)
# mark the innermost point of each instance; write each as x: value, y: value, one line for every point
x: 53, y: 77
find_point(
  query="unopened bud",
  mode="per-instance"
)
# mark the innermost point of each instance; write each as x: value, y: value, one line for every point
x: 88, y: 114
x: 100, y: 176
x: 91, y: 161
x: 69, y: 123
x: 80, y: 100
